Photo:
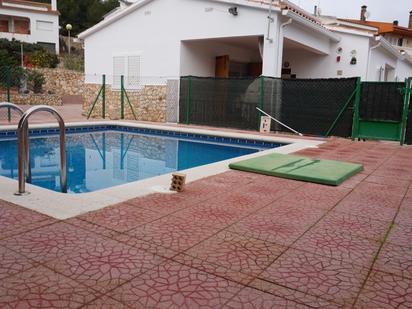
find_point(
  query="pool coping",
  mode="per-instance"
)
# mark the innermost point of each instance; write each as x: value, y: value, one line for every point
x: 64, y: 206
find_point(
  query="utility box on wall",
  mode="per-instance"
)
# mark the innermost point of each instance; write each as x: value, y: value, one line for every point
x: 265, y: 123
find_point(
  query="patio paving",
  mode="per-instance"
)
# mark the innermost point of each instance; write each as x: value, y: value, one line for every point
x: 234, y: 240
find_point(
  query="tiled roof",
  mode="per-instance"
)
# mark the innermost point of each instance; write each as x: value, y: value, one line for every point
x: 383, y: 27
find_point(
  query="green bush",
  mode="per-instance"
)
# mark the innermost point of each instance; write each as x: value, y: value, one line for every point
x: 75, y: 63
x: 36, y: 81
x: 43, y: 59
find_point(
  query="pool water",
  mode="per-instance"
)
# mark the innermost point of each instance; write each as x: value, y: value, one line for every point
x: 99, y: 160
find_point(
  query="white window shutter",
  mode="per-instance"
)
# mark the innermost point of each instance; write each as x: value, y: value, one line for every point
x: 133, y: 72
x: 119, y: 69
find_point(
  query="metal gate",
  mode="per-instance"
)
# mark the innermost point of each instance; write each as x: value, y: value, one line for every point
x: 381, y: 111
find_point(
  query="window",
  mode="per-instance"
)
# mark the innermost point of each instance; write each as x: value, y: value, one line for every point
x: 51, y: 47
x: 4, y: 24
x: 44, y: 25
x: 400, y: 42
x: 129, y: 67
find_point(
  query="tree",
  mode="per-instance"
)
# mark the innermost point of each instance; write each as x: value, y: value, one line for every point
x: 82, y: 14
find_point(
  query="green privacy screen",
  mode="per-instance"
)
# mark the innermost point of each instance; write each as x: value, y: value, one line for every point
x: 309, y: 106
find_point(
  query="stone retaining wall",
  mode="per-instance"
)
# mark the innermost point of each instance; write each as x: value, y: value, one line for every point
x: 149, y: 102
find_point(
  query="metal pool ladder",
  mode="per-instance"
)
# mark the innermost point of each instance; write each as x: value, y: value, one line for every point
x: 10, y: 106
x: 24, y: 170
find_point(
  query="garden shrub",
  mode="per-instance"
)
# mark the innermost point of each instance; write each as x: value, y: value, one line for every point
x: 36, y: 81
x: 43, y: 59
x: 75, y: 63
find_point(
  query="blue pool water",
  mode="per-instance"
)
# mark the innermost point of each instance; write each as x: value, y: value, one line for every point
x: 100, y: 159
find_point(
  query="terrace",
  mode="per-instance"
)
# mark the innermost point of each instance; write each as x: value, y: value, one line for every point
x: 231, y: 240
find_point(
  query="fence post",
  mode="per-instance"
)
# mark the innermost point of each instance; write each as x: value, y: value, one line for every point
x: 104, y: 96
x: 122, y: 97
x: 406, y: 101
x: 189, y: 82
x: 8, y: 86
x: 355, y: 126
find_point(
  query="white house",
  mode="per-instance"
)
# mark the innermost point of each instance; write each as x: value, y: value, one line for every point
x: 30, y: 22
x: 236, y: 38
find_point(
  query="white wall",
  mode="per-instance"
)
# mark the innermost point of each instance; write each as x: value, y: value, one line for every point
x: 199, y: 57
x: 157, y: 29
x: 307, y: 37
x: 403, y: 70
x: 35, y: 34
x: 380, y: 58
x: 306, y: 64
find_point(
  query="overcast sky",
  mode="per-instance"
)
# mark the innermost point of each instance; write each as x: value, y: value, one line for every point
x: 381, y: 10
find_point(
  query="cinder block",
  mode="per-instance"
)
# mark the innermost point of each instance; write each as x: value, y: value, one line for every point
x: 178, y: 182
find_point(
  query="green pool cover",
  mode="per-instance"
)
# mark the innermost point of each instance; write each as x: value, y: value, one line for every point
x: 300, y: 168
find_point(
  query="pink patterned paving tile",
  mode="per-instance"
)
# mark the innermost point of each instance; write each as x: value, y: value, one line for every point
x: 314, y: 195
x: 105, y: 265
x: 404, y: 216
x: 51, y: 241
x: 122, y: 217
x: 105, y: 302
x: 293, y: 295
x: 381, y: 189
x: 407, y: 204
x: 213, y: 214
x: 369, y: 210
x: 401, y: 235
x: 278, y: 223
x: 395, y: 260
x: 272, y: 188
x: 15, y: 220
x: 235, y: 178
x: 252, y: 298
x: 88, y: 226
x: 146, y: 246
x: 385, y: 291
x: 242, y: 200
x: 174, y: 233
x: 357, y: 226
x: 344, y: 247
x: 392, y: 181
x: 277, y: 183
x: 323, y: 277
x: 163, y: 203
x: 399, y: 172
x: 173, y: 285
x: 354, y: 181
x: 366, y: 196
x: 214, y: 269
x: 236, y: 252
x: 42, y: 288
x: 12, y: 263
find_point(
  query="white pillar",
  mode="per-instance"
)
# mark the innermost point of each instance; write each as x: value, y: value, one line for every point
x: 270, y: 50
x: 54, y: 5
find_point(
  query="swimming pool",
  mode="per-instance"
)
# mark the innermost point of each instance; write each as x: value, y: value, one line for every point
x: 101, y: 157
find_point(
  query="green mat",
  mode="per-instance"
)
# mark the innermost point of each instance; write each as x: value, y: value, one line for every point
x: 300, y: 168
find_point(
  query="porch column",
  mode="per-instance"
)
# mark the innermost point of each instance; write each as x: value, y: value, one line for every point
x: 273, y: 49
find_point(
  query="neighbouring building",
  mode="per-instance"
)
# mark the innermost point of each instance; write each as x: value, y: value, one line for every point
x: 234, y: 39
x: 30, y: 22
x: 400, y: 37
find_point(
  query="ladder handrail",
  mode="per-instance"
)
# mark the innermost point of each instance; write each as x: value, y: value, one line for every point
x: 24, y: 169
x: 10, y: 105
